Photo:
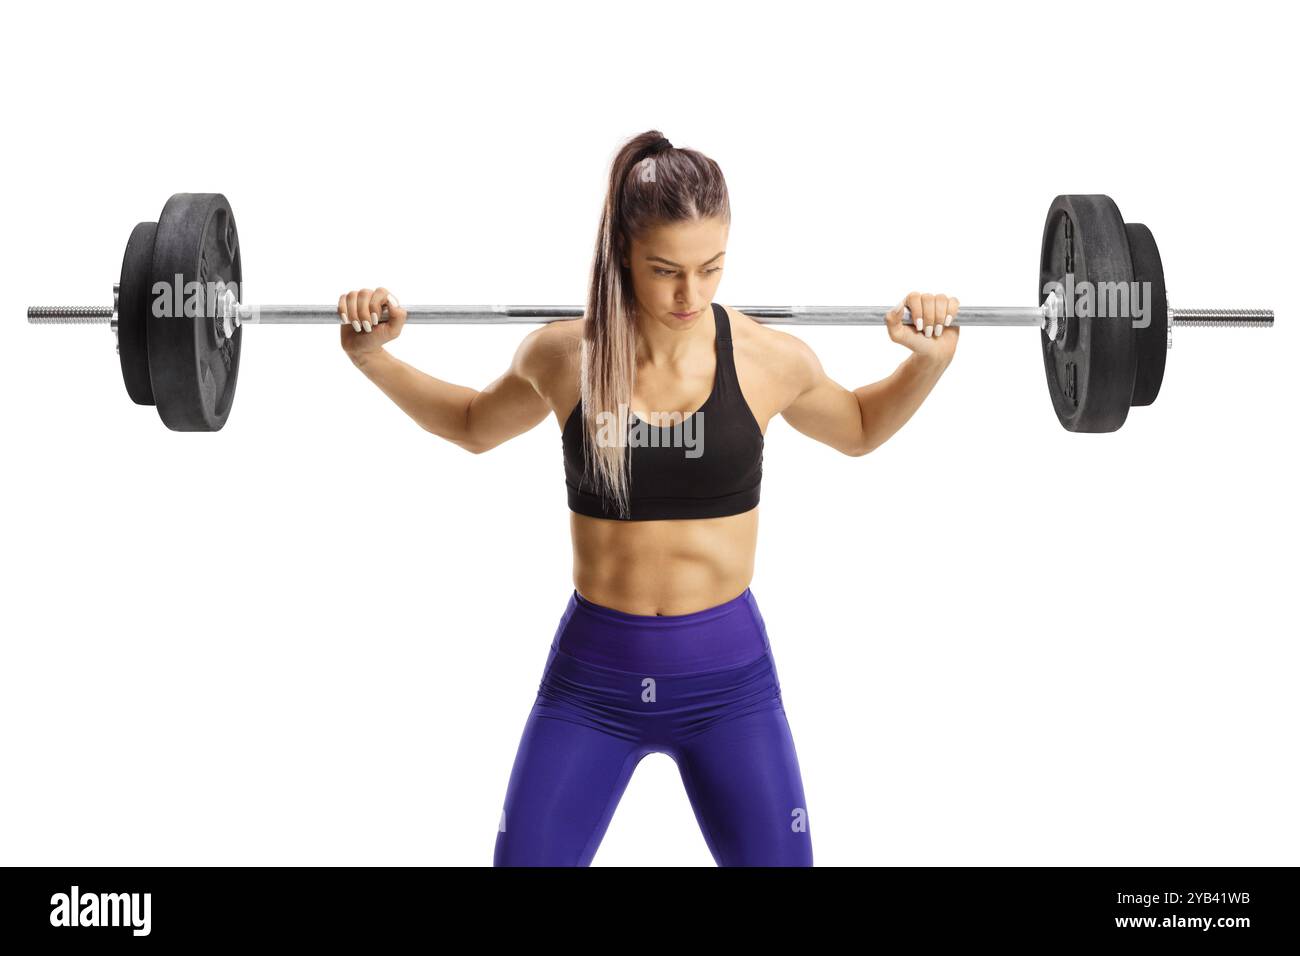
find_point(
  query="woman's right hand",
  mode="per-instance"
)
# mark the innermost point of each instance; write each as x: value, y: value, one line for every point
x: 360, y: 329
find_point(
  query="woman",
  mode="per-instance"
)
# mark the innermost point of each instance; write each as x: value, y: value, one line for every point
x: 662, y: 647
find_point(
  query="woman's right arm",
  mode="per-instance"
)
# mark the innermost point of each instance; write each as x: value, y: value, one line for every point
x: 475, y: 420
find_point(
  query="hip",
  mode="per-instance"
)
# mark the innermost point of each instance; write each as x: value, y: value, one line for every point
x: 659, y: 679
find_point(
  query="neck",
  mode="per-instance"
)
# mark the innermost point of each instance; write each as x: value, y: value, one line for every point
x: 659, y: 345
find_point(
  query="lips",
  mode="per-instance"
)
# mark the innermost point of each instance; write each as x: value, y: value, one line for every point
x: 684, y: 315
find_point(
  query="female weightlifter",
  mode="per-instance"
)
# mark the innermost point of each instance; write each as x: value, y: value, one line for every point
x: 661, y: 647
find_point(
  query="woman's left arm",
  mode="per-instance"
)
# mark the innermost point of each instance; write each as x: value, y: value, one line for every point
x: 860, y: 421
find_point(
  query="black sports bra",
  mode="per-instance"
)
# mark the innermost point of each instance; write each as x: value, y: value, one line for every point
x: 708, y: 466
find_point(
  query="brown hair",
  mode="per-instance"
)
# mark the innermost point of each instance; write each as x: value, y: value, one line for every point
x: 651, y: 182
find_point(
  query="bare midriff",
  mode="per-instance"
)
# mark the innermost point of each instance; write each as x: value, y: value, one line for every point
x: 675, y: 566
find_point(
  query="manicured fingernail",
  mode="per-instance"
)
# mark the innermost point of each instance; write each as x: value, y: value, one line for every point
x: 343, y: 318
x: 366, y: 326
x: 918, y: 323
x: 948, y: 320
x: 374, y: 318
x: 356, y: 326
x: 938, y: 331
x: 929, y: 331
x: 393, y: 299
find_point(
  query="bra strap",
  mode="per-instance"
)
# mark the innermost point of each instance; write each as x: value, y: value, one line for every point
x: 722, y: 326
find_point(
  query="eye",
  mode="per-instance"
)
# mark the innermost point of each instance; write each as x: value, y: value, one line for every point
x: 671, y: 272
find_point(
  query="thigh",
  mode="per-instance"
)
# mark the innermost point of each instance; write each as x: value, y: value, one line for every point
x: 742, y: 778
x: 565, y: 784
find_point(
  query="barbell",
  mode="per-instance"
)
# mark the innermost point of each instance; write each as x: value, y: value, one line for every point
x: 1103, y: 314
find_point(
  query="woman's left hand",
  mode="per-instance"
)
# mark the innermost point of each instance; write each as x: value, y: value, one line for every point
x: 931, y: 332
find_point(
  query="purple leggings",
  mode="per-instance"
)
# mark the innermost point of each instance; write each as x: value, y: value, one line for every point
x: 700, y: 687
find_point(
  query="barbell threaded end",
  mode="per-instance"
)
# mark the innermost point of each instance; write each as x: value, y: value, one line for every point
x: 1230, y: 318
x: 70, y: 314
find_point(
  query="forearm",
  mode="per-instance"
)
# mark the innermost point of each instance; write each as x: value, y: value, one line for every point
x: 887, y: 405
x: 436, y: 406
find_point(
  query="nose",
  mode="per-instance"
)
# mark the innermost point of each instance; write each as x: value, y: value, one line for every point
x: 687, y: 293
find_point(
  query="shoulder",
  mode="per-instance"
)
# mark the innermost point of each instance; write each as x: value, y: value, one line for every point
x: 550, y: 350
x: 786, y: 356
x: 550, y: 359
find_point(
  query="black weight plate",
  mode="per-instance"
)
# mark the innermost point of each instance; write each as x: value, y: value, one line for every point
x: 192, y: 365
x: 1153, y: 340
x: 1090, y: 370
x: 132, y: 311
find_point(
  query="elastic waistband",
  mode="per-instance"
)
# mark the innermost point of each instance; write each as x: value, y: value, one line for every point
x: 726, y: 635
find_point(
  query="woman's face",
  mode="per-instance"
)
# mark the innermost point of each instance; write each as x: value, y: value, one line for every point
x: 676, y: 269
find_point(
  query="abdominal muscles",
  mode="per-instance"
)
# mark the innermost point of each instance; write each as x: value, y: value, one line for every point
x: 663, y: 567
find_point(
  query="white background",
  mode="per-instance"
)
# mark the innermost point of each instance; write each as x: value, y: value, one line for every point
x: 313, y: 637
